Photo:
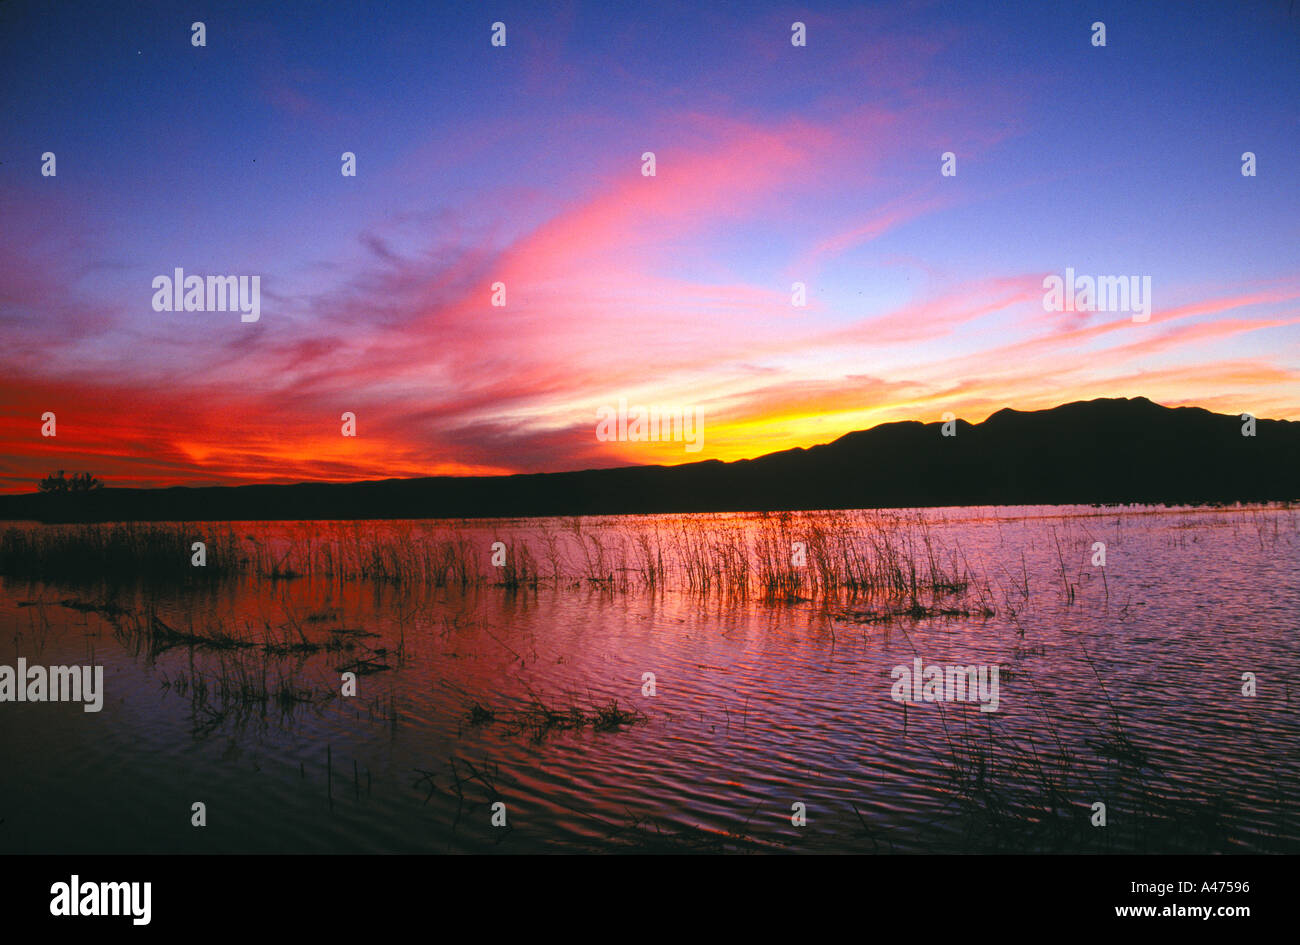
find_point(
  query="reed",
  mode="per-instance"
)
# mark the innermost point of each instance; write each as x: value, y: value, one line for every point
x: 780, y: 556
x: 73, y: 552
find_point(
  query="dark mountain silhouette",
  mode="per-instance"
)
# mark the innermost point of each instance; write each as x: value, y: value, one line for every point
x: 1098, y: 451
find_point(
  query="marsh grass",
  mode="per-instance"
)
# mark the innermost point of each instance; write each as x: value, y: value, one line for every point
x: 233, y: 677
x: 520, y: 569
x: 914, y: 611
x: 238, y: 691
x: 482, y: 779
x: 854, y: 552
x: 108, y: 608
x: 539, y: 720
x: 124, y: 550
x: 367, y: 665
x: 161, y: 637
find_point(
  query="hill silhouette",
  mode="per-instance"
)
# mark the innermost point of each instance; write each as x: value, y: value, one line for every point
x: 1098, y: 451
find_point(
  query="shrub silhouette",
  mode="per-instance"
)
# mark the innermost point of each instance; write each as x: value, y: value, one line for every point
x: 80, y: 483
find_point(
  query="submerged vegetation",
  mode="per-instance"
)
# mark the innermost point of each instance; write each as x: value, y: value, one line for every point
x: 538, y: 720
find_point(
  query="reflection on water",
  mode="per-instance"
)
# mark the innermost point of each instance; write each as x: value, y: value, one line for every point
x: 526, y: 684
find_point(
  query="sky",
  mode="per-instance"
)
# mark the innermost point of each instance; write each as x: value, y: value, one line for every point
x: 522, y: 164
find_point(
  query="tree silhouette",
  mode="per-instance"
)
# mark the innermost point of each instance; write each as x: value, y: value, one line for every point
x: 80, y: 483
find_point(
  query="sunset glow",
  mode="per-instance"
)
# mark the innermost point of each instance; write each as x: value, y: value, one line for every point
x: 523, y: 165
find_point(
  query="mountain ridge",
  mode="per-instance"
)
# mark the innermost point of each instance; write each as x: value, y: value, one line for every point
x: 1102, y: 451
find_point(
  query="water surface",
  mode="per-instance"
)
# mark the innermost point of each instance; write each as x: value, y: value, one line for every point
x: 1120, y: 685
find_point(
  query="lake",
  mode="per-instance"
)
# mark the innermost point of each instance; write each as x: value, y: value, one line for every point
x: 661, y: 683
